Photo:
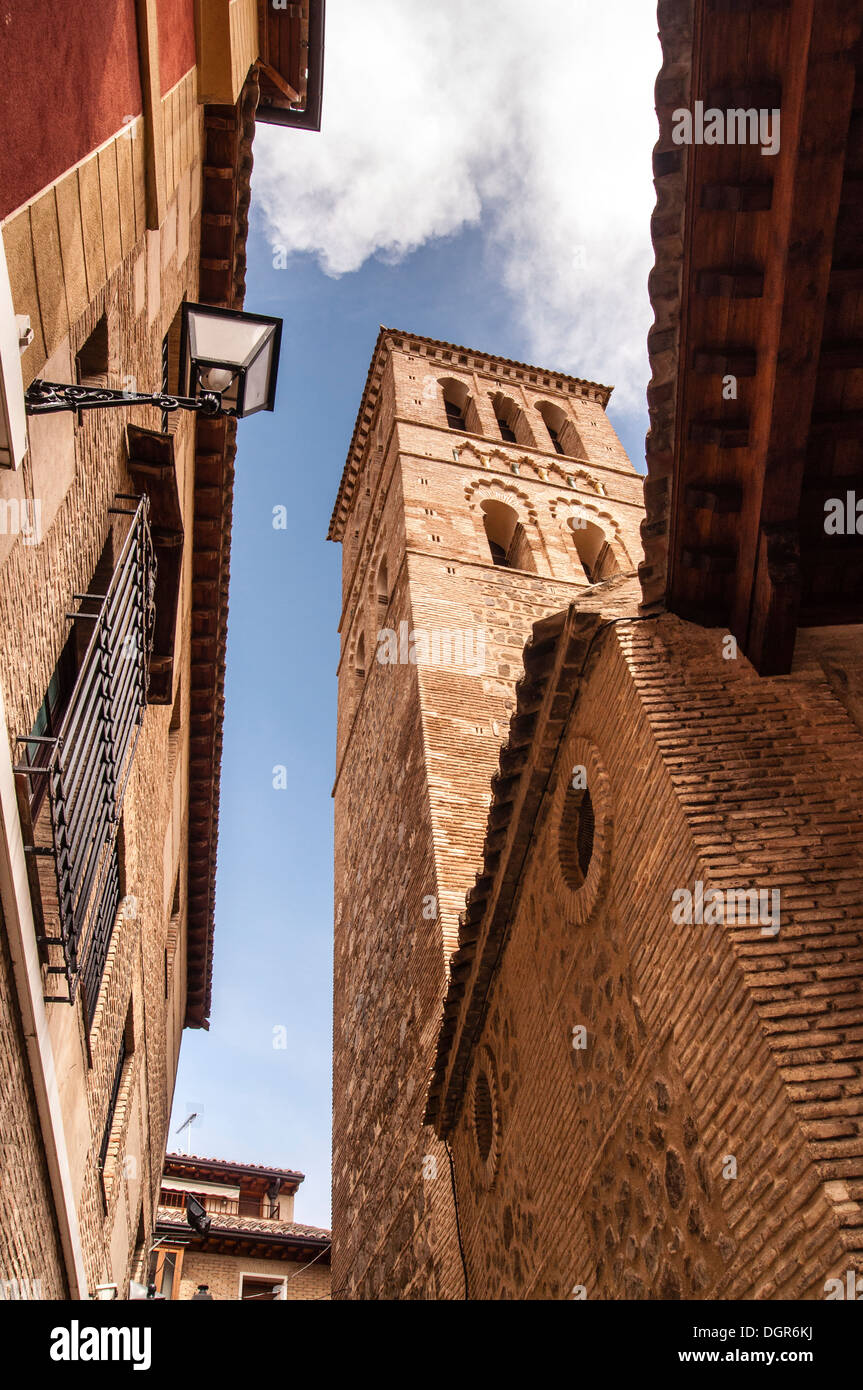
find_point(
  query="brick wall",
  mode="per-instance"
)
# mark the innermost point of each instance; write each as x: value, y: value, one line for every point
x: 222, y: 1273
x: 610, y: 1167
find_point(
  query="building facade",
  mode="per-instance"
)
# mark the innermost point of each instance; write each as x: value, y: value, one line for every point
x: 114, y: 564
x: 252, y: 1248
x: 479, y: 496
x: 645, y: 1078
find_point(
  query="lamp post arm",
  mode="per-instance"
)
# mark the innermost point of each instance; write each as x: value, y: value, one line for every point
x: 49, y: 397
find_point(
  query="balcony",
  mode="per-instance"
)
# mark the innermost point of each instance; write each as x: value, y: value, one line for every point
x: 72, y: 781
x: 253, y: 1207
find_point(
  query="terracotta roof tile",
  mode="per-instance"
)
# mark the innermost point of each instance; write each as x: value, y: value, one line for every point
x: 265, y: 1169
x: 242, y: 1225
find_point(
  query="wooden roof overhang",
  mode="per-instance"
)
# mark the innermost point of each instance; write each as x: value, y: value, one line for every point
x: 228, y: 135
x: 251, y: 1177
x: 291, y: 63
x: 758, y: 277
x: 262, y: 1247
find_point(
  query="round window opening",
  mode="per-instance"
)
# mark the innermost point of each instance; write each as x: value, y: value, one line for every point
x: 577, y: 828
x: 483, y: 1116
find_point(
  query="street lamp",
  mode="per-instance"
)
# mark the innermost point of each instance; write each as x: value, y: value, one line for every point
x: 233, y: 354
x: 229, y: 362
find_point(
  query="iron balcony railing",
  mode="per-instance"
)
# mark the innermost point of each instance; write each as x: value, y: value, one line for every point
x: 72, y: 839
x: 220, y: 1206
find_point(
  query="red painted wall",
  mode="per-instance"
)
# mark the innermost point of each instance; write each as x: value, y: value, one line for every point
x: 176, y: 40
x: 69, y: 79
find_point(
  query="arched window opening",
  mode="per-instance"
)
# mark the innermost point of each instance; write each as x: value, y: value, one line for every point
x: 510, y: 420
x: 382, y: 584
x: 461, y: 412
x: 561, y: 431
x: 555, y: 439
x: 507, y: 539
x: 555, y: 420
x: 594, y: 552
x: 360, y: 656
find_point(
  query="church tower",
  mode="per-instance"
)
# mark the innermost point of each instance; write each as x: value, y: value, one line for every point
x: 479, y: 496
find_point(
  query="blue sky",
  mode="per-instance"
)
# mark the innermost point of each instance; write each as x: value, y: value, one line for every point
x: 514, y: 221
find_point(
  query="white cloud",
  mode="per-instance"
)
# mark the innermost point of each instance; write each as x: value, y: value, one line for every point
x: 534, y: 120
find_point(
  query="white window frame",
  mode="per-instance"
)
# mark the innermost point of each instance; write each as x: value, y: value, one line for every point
x: 256, y: 1274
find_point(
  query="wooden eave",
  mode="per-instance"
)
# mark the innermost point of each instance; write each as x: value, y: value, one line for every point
x: 290, y: 63
x: 228, y: 133
x: 758, y: 275
x: 249, y: 1177
x: 263, y: 1245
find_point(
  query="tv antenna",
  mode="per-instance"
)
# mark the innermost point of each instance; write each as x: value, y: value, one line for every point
x: 187, y: 1124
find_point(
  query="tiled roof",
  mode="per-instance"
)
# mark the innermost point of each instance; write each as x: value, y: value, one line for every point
x: 228, y: 1164
x: 246, y: 1225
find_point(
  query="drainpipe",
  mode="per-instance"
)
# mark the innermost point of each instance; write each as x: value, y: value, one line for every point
x: 18, y: 914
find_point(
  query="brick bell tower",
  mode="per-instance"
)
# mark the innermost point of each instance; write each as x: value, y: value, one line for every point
x: 479, y: 495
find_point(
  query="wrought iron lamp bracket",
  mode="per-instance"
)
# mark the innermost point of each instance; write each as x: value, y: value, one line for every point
x: 49, y: 397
